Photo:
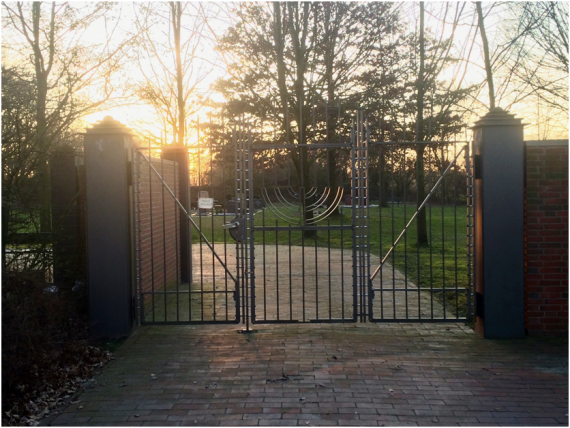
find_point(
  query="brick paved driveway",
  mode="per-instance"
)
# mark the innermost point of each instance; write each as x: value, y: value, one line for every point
x: 344, y: 374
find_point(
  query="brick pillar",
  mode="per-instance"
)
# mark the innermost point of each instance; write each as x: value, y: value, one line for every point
x: 108, y: 152
x: 180, y: 155
x: 498, y: 151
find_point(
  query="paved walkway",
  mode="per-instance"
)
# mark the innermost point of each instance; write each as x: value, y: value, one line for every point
x: 342, y: 374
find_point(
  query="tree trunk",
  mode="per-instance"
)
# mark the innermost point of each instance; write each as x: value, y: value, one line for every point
x: 488, y: 68
x: 332, y: 167
x: 42, y: 142
x: 176, y: 23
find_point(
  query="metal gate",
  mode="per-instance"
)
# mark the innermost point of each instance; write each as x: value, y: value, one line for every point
x: 187, y: 269
x: 272, y: 238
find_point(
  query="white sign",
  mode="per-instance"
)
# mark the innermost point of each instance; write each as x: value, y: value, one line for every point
x: 206, y: 203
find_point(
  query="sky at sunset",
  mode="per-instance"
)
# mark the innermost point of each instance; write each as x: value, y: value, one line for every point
x: 142, y: 117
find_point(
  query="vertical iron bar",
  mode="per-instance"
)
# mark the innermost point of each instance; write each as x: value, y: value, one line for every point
x: 137, y: 169
x: 353, y: 220
x: 417, y: 225
x: 455, y: 229
x: 406, y: 234
x: 327, y: 141
x: 469, y: 201
x: 367, y: 290
x: 225, y: 232
x: 316, y: 278
x: 358, y: 212
x: 163, y: 241
x: 151, y: 232
x: 393, y: 236
x: 189, y: 228
x: 290, y: 281
x: 242, y: 219
x: 342, y: 260
x: 213, y: 241
x: 443, y: 237
x: 430, y: 235
x: 302, y: 197
x: 238, y: 297
x: 329, y: 260
x: 176, y: 232
x: 263, y: 242
x: 277, y: 263
x: 200, y: 221
x: 251, y: 229
x: 382, y: 157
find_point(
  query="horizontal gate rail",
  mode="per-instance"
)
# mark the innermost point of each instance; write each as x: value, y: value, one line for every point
x: 413, y: 143
x: 297, y: 228
x: 316, y: 146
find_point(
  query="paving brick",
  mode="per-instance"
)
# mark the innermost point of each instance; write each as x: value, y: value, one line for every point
x: 276, y: 422
x: 441, y: 378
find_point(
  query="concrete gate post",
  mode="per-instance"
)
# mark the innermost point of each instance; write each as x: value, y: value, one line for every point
x: 498, y: 151
x: 108, y: 154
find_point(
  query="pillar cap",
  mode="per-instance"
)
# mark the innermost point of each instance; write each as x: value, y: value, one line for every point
x: 498, y: 117
x: 108, y: 126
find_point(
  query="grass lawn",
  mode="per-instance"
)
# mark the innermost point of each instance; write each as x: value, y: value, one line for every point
x: 440, y: 263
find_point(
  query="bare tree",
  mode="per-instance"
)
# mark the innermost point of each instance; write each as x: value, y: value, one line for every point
x: 538, y: 51
x: 71, y: 75
x: 172, y: 78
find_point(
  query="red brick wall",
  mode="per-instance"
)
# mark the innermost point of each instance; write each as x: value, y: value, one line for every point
x: 159, y: 228
x: 546, y: 238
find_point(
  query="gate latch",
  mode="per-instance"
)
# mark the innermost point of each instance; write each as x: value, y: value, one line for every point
x: 236, y: 228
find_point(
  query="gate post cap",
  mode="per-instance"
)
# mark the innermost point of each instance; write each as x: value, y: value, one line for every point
x: 498, y: 116
x: 108, y: 126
